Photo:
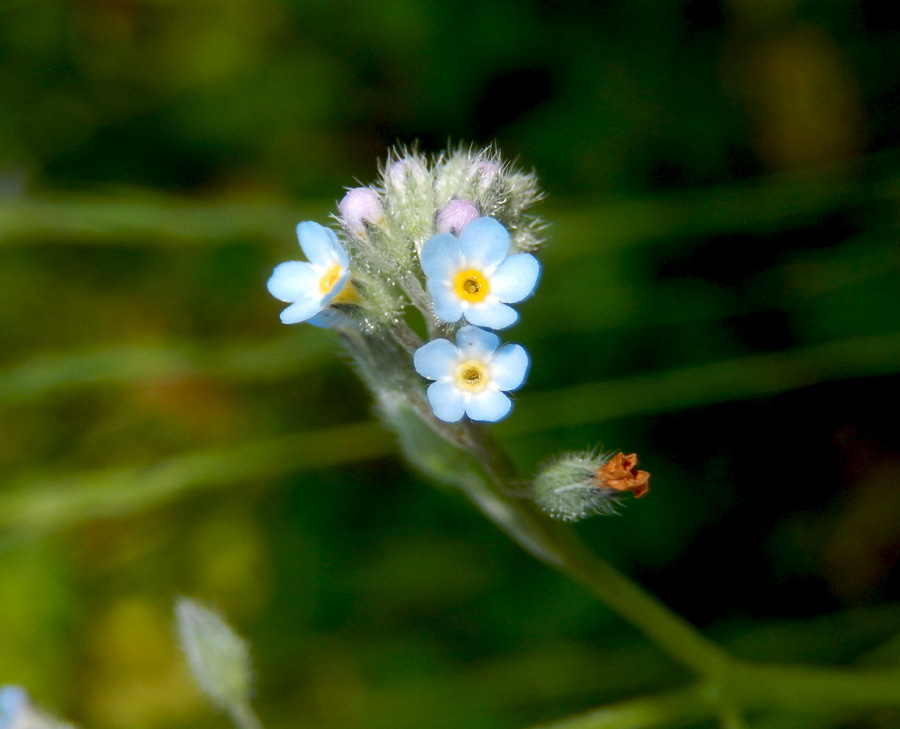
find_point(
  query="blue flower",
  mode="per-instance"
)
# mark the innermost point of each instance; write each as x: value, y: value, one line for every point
x: 311, y: 286
x: 474, y: 276
x: 472, y: 375
x: 13, y: 706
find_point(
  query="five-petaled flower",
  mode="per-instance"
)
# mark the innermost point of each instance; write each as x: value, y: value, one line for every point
x: 473, y: 276
x: 309, y: 287
x: 14, y: 707
x: 472, y: 375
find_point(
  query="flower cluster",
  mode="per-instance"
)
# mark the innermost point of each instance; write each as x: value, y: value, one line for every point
x: 450, y: 236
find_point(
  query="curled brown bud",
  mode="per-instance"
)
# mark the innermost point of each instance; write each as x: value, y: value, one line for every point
x: 621, y: 473
x: 575, y: 485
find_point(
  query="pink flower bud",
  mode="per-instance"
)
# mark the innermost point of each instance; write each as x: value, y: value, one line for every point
x: 359, y: 206
x: 455, y: 215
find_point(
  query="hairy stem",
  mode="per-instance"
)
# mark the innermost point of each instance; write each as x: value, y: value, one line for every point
x: 463, y: 456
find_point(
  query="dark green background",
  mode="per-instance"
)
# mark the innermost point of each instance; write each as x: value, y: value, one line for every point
x: 720, y: 294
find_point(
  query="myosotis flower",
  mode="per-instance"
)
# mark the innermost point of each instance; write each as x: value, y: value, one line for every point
x: 16, y: 712
x: 472, y: 375
x: 310, y: 286
x: 13, y: 705
x: 473, y: 275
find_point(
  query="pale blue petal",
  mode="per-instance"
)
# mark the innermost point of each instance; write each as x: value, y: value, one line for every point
x: 301, y: 310
x: 325, y: 319
x: 321, y: 245
x: 13, y: 700
x: 509, y: 366
x: 436, y: 359
x: 476, y: 343
x: 447, y: 402
x: 515, y: 278
x: 342, y: 258
x: 489, y: 406
x: 447, y: 306
x: 484, y: 241
x: 441, y: 257
x: 492, y: 315
x: 337, y: 288
x: 293, y: 280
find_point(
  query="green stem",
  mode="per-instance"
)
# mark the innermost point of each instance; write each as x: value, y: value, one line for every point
x: 811, y: 688
x: 730, y: 717
x: 560, y: 547
x: 669, y: 709
x: 466, y: 458
x: 744, y: 686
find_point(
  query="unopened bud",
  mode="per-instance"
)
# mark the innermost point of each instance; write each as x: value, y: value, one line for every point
x: 455, y: 215
x: 409, y: 196
x: 219, y: 660
x: 578, y: 485
x: 485, y: 173
x: 361, y: 206
x: 409, y: 170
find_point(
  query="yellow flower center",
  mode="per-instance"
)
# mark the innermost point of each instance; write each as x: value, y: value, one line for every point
x: 472, y: 376
x: 470, y: 285
x: 329, y: 278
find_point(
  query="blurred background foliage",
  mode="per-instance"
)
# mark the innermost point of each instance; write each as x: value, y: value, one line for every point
x: 720, y: 295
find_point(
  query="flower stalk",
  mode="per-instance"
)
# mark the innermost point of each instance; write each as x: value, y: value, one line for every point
x: 453, y: 239
x: 464, y: 457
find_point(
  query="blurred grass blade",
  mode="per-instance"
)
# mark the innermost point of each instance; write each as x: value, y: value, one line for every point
x: 811, y: 277
x: 707, y: 384
x: 674, y: 708
x: 765, y: 204
x: 127, y: 364
x: 139, y: 217
x: 34, y: 506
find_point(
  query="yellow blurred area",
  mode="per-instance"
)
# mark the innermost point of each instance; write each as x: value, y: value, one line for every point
x: 802, y: 97
x: 137, y: 676
x: 229, y: 562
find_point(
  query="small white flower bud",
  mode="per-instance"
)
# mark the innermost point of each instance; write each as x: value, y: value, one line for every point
x: 409, y: 196
x: 361, y: 206
x: 455, y: 215
x: 578, y: 485
x: 484, y: 173
x: 408, y: 171
x: 218, y: 658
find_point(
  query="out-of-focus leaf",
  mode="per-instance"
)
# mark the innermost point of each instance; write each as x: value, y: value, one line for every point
x: 127, y: 364
x: 32, y: 505
x: 706, y: 384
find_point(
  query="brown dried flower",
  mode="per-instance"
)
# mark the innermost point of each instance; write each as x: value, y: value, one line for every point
x: 620, y: 473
